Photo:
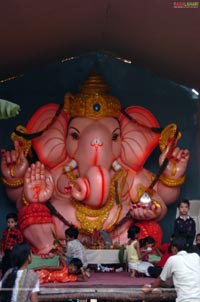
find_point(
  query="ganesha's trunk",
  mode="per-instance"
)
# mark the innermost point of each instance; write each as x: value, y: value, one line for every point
x: 93, y: 189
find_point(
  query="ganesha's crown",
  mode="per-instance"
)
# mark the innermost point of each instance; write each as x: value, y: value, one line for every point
x: 92, y: 101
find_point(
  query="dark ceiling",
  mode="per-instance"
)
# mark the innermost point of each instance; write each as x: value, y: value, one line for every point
x: 151, y: 33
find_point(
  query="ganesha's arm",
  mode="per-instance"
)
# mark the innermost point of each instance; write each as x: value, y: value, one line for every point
x: 13, y: 167
x: 13, y: 163
x: 170, y: 181
x: 35, y: 219
x: 169, y: 194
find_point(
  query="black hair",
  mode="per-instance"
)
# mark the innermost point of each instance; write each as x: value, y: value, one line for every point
x: 12, y: 215
x: 77, y: 263
x: 172, y: 237
x: 186, y: 201
x: 171, y: 240
x: 180, y: 243
x: 132, y: 231
x: 19, y: 255
x: 147, y: 240
x: 72, y: 232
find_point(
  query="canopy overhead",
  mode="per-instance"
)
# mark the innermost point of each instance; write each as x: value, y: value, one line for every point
x: 153, y: 34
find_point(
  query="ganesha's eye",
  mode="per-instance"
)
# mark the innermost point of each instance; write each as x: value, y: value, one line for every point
x: 115, y: 136
x: 75, y: 135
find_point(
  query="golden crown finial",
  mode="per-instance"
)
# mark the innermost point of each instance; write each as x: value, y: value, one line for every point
x: 92, y: 101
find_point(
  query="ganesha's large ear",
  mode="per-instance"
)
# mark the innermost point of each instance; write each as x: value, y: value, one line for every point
x: 51, y: 145
x: 138, y: 139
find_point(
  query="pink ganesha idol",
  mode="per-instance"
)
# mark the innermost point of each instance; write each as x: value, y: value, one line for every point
x: 90, y: 170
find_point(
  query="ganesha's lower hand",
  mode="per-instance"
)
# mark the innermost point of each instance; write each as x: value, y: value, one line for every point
x: 140, y: 211
x: 38, y: 184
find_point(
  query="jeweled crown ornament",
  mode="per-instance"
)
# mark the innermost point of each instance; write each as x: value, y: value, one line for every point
x: 92, y: 101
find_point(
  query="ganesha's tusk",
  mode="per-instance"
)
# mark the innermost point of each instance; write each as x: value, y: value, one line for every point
x: 70, y: 166
x: 116, y: 166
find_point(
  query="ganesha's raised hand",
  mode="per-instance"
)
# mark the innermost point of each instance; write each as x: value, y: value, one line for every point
x: 13, y: 163
x: 38, y: 183
x: 177, y: 164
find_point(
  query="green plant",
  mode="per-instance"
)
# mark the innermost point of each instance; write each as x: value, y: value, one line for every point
x: 59, y: 248
x: 8, y: 109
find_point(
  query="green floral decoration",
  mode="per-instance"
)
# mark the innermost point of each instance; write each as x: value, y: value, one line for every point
x: 8, y: 109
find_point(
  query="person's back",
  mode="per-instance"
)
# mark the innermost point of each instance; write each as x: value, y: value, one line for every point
x: 184, y: 268
x: 25, y: 278
x: 132, y: 254
x: 18, y: 278
x: 135, y: 264
x: 75, y: 248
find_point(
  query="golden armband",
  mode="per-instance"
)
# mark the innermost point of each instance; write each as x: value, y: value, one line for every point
x: 25, y: 201
x: 172, y: 182
x: 15, y: 184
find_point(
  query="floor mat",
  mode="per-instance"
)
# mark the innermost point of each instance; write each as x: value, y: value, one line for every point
x: 107, y: 279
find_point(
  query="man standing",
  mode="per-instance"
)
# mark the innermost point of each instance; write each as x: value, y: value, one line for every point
x: 184, y: 268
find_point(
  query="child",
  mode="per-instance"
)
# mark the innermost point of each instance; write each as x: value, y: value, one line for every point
x: 146, y: 246
x: 198, y: 240
x: 74, y: 248
x: 184, y: 225
x: 71, y: 273
x: 19, y: 277
x: 133, y: 253
x: 164, y: 251
x: 11, y: 236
